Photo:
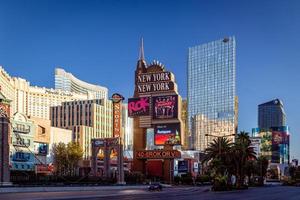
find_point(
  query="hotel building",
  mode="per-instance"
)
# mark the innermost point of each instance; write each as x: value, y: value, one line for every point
x: 88, y: 119
x: 32, y: 100
x: 212, y: 101
x: 22, y: 138
x: 7, y: 86
x: 271, y: 114
x: 185, y: 128
x: 67, y: 82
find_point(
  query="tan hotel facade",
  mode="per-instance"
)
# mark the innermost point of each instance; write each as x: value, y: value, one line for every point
x: 91, y: 118
x: 32, y: 100
x: 88, y: 119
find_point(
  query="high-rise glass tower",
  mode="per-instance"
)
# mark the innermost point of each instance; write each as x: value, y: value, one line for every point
x: 212, y: 101
x: 271, y: 114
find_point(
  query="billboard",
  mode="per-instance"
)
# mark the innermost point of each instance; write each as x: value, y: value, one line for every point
x: 266, y: 144
x: 41, y: 148
x: 182, y: 166
x: 139, y: 106
x: 165, y: 107
x: 280, y: 145
x: 255, y: 144
x: 167, y: 133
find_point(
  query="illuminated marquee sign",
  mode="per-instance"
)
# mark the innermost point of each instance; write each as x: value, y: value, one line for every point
x: 167, y: 133
x: 280, y: 145
x: 155, y: 87
x: 165, y: 107
x: 117, y: 119
x: 154, y: 82
x: 117, y: 106
x: 158, y: 154
x: 154, y: 77
x: 102, y: 142
x: 139, y: 106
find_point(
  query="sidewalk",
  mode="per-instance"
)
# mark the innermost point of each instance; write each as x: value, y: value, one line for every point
x: 67, y: 188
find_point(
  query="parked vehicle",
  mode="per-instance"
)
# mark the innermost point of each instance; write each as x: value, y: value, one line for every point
x: 155, y: 187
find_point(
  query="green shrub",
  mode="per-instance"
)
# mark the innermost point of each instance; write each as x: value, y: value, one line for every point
x: 134, y: 178
x: 220, y: 183
x: 202, y: 179
x: 177, y: 180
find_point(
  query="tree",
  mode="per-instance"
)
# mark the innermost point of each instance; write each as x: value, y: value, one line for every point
x: 218, y: 159
x: 250, y: 169
x: 59, y: 152
x: 75, y: 154
x: 66, y: 158
x: 262, y: 167
x: 219, y: 148
x: 241, y: 152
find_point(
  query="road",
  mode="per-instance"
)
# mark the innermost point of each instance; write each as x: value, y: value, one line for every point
x: 177, y: 193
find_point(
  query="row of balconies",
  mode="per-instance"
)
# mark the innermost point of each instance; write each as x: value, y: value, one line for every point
x: 21, y: 129
x: 21, y: 143
x: 22, y: 156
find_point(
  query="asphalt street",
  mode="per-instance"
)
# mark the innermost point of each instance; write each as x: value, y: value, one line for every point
x: 178, y: 193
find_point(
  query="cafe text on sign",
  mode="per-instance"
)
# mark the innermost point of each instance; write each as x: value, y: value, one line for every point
x: 117, y: 106
x: 117, y: 119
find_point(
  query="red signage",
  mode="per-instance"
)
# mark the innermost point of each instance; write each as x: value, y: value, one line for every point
x: 117, y: 106
x: 139, y: 106
x: 117, y: 119
x: 40, y: 168
x: 158, y: 154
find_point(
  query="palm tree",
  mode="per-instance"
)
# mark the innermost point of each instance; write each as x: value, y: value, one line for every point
x: 262, y: 167
x: 241, y: 152
x: 219, y: 148
x: 217, y: 155
x: 250, y: 169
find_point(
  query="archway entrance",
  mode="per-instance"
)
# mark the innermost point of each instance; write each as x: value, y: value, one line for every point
x: 107, y: 146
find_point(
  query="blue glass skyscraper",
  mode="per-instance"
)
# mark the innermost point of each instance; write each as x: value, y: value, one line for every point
x: 212, y: 101
x: 271, y: 114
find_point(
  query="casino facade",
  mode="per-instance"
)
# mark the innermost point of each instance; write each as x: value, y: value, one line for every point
x: 155, y: 107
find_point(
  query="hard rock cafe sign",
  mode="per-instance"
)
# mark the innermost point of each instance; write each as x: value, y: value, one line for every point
x: 117, y: 109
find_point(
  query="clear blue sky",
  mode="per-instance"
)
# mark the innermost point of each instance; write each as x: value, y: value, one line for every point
x: 98, y: 42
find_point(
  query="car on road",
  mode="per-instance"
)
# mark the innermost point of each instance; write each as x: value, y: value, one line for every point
x: 155, y: 187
